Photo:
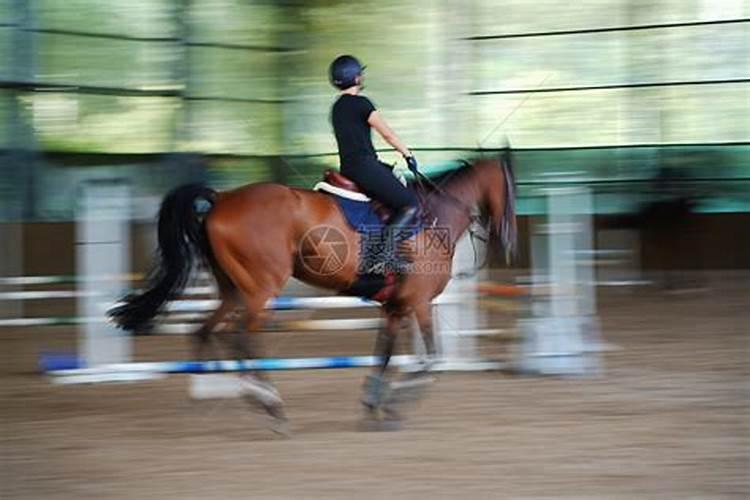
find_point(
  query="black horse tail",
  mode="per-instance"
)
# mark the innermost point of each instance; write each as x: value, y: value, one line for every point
x: 182, y: 242
x: 509, y: 229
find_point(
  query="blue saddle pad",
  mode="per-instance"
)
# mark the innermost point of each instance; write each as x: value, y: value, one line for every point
x: 376, y: 244
x: 360, y: 215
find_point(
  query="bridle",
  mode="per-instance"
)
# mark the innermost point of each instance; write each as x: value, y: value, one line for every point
x: 475, y: 220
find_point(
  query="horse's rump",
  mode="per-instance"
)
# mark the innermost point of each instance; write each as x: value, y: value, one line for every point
x: 280, y: 231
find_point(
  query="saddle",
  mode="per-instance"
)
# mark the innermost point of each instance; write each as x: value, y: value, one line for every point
x: 336, y: 179
x: 337, y: 184
x: 367, y: 217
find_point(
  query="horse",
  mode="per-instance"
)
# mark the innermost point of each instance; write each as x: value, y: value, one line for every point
x: 256, y: 237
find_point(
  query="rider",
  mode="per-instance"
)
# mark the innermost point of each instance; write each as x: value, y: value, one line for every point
x: 353, y: 116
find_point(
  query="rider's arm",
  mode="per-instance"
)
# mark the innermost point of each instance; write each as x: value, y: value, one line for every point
x: 378, y: 123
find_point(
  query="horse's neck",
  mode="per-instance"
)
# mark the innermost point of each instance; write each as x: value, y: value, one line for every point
x: 452, y: 208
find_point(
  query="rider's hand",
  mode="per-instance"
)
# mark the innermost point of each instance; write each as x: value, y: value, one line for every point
x: 411, y: 163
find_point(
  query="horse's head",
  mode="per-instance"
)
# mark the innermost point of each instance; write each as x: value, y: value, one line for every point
x: 486, y: 184
x: 497, y: 199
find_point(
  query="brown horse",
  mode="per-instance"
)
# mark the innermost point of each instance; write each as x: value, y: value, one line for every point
x: 256, y: 237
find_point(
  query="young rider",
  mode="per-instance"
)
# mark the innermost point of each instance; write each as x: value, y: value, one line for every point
x: 353, y: 116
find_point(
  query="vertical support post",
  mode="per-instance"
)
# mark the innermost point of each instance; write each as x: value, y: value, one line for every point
x: 563, y: 335
x: 103, y: 256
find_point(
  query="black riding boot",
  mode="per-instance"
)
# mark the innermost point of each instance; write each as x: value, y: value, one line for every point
x: 400, y: 228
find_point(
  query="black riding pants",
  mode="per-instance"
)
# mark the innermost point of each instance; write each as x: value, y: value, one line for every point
x: 376, y: 179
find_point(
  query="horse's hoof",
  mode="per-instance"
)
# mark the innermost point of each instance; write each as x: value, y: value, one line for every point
x: 370, y: 421
x: 264, y: 398
x: 383, y: 420
x: 260, y: 391
x: 280, y: 426
x: 277, y: 412
x: 272, y: 417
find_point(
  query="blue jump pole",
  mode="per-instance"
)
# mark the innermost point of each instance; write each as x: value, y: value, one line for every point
x: 71, y: 370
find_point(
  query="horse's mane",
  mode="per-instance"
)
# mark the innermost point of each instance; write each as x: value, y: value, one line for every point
x: 456, y: 175
x: 455, y: 184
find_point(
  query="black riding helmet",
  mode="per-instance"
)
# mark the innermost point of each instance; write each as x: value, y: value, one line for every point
x: 344, y: 71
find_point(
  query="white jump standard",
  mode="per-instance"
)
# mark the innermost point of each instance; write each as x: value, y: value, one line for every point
x: 562, y: 337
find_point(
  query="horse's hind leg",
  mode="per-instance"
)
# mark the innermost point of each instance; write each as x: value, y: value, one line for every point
x: 202, y: 337
x: 256, y: 386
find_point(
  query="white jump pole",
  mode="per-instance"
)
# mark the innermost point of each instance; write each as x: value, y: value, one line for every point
x: 103, y: 249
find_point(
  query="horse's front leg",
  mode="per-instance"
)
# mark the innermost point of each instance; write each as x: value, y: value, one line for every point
x: 376, y: 384
x: 423, y: 313
x: 413, y: 385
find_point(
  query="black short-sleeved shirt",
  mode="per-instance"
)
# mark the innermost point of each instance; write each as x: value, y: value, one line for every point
x: 349, y: 117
